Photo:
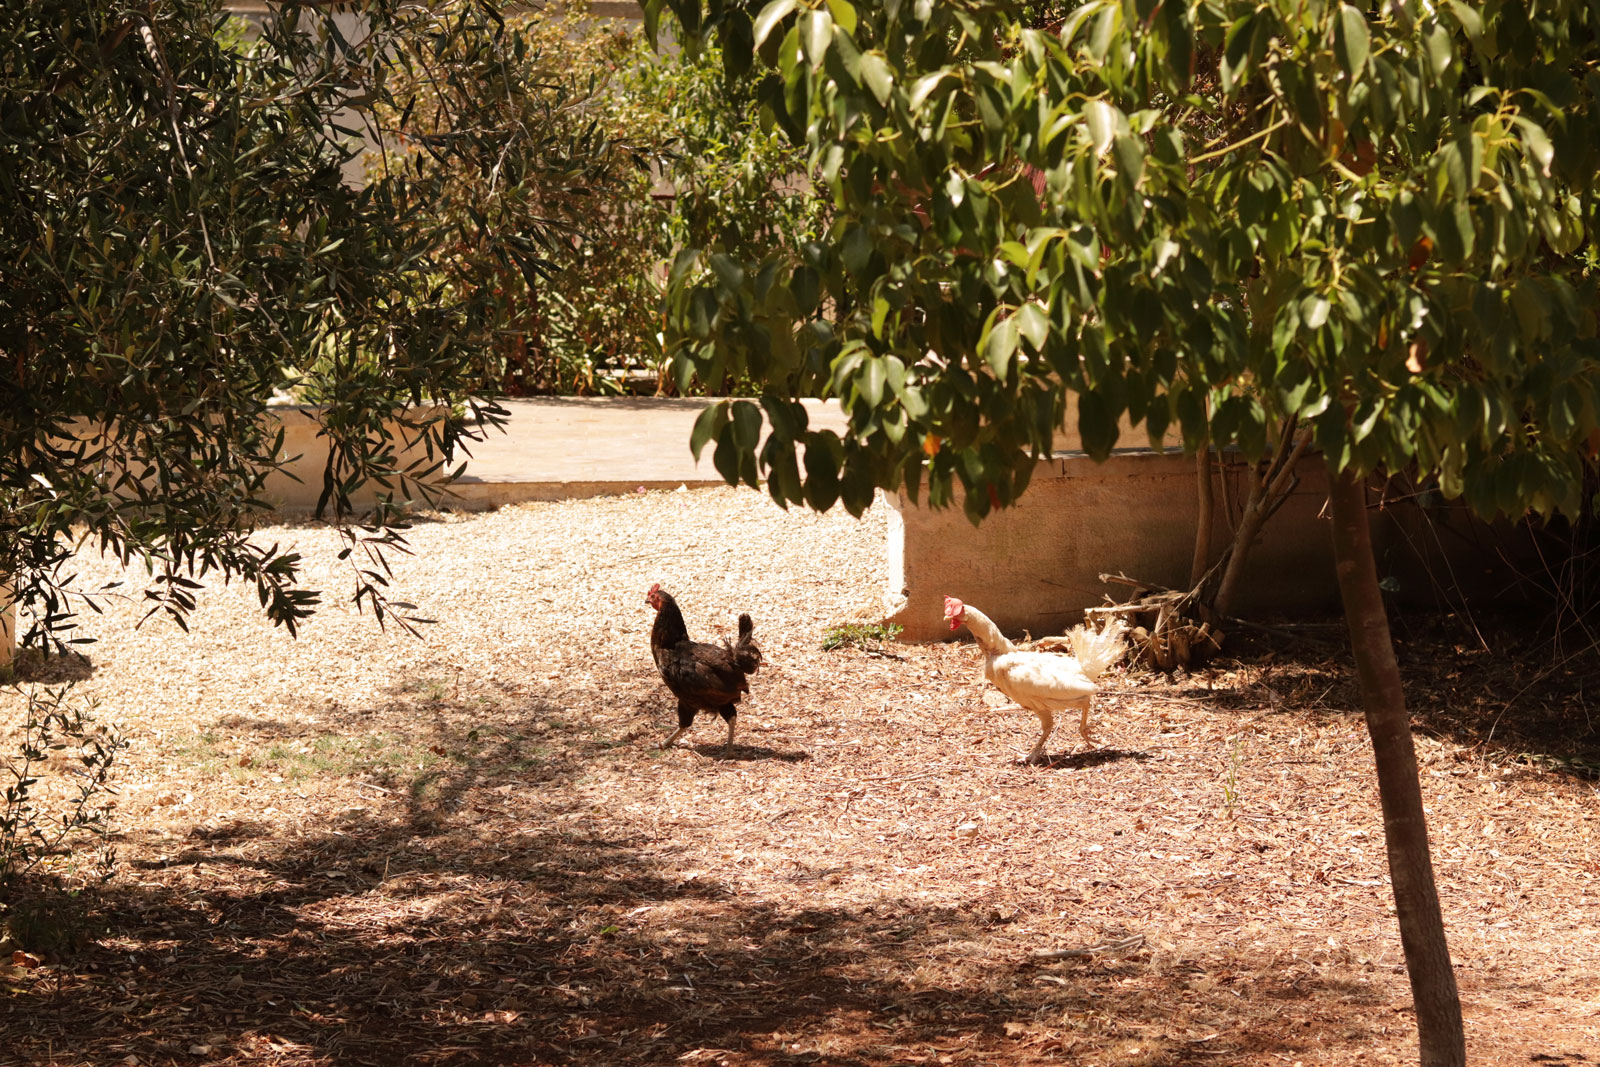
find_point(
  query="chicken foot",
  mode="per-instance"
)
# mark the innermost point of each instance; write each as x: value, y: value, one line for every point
x: 728, y: 714
x: 1047, y: 720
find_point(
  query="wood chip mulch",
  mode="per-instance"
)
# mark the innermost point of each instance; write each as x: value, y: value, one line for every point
x: 361, y: 848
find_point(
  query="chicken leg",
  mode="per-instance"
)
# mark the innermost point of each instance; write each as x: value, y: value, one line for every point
x: 686, y: 713
x: 1083, y: 725
x: 1047, y: 719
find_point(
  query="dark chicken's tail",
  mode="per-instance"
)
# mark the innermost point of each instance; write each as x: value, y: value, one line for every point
x: 746, y: 656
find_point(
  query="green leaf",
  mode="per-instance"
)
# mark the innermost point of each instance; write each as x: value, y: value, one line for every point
x: 1532, y: 307
x: 1237, y: 48
x: 1097, y: 426
x: 728, y: 272
x: 788, y: 417
x: 1471, y: 22
x: 1536, y: 143
x: 817, y: 27
x: 844, y: 13
x: 726, y: 457
x: 1101, y: 118
x: 875, y: 74
x: 1033, y: 324
x: 774, y: 13
x: 822, y: 470
x: 1441, y: 50
x: 1314, y: 311
x: 870, y: 381
x: 1000, y: 345
x: 1129, y: 151
x: 924, y: 87
x: 707, y: 426
x: 1352, y: 40
x: 806, y: 286
x: 880, y: 312
x: 746, y: 424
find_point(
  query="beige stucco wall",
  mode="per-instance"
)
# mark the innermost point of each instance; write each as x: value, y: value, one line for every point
x: 1036, y: 566
x: 297, y: 485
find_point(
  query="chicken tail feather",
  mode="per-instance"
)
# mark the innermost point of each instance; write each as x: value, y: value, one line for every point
x: 1097, y: 650
x: 745, y: 653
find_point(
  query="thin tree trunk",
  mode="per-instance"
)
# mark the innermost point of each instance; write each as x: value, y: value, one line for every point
x: 1433, y: 982
x: 1202, y: 536
x: 1270, y: 486
x: 1251, y: 519
x: 8, y: 626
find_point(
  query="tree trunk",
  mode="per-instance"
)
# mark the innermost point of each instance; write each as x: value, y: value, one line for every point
x: 1270, y: 486
x: 1253, y: 517
x: 1433, y: 982
x: 8, y: 626
x: 1202, y: 535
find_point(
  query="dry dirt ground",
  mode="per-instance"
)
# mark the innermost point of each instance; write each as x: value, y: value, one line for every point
x: 361, y: 848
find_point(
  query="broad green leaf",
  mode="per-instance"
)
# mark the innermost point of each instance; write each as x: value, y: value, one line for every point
x: 1033, y: 324
x: 1471, y: 22
x: 822, y: 470
x: 924, y: 87
x: 709, y: 423
x: 875, y: 74
x: 1441, y: 50
x: 1101, y: 118
x: 817, y: 29
x: 1536, y: 143
x: 746, y: 424
x: 1129, y: 151
x: 844, y: 13
x: 771, y: 15
x: 1352, y: 40
x: 880, y: 312
x: 870, y: 382
x: 1097, y: 425
x: 1314, y: 311
x: 1000, y: 345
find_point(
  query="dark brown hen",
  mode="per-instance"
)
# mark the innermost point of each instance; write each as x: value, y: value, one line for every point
x: 704, y: 677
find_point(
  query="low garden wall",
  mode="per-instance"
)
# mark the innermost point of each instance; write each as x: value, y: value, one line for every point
x: 1035, y: 567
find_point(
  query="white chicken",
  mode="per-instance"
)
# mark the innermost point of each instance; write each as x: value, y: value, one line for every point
x: 1043, y: 682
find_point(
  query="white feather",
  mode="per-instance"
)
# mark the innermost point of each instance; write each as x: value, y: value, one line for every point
x: 1044, y: 683
x: 1040, y: 679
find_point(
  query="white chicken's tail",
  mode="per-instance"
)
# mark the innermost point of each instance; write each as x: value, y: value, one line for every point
x: 1096, y: 650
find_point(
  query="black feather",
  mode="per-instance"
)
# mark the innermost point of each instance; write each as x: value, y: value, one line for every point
x: 702, y: 676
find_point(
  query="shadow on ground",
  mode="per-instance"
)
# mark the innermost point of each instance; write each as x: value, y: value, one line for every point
x: 1097, y: 757
x: 482, y: 909
x: 1500, y: 686
x: 541, y: 940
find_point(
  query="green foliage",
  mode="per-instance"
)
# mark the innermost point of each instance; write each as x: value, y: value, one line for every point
x: 183, y: 235
x: 1213, y: 216
x: 861, y: 635
x: 683, y: 161
x: 57, y: 784
x: 560, y: 228
x: 723, y: 181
